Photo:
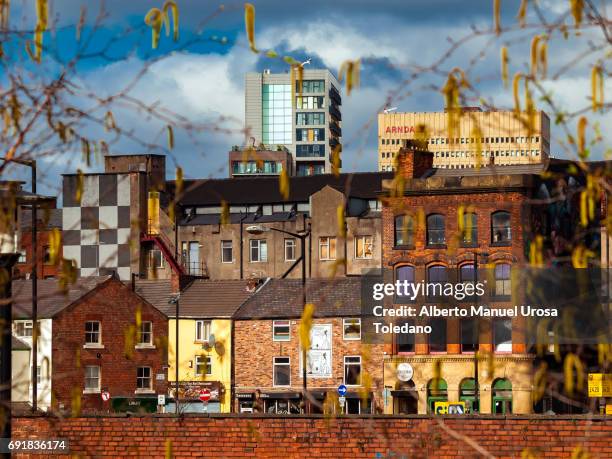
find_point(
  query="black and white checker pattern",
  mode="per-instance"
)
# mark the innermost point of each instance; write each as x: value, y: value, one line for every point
x: 96, y: 231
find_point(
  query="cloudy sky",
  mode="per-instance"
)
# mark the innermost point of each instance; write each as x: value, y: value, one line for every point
x: 201, y: 77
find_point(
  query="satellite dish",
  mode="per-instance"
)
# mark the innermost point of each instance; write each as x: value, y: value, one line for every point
x: 211, y: 340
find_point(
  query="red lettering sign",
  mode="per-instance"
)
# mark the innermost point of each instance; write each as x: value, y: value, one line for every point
x: 399, y: 130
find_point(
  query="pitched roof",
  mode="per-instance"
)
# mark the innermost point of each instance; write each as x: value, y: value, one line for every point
x: 266, y: 189
x: 282, y: 298
x: 51, y: 300
x: 210, y: 299
x: 157, y: 292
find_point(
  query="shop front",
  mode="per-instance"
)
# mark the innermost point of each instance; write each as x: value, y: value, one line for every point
x: 189, y: 397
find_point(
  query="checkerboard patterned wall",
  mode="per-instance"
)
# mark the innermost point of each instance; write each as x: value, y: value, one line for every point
x: 96, y: 231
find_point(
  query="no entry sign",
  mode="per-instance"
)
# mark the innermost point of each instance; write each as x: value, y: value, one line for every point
x: 205, y: 395
x: 105, y: 396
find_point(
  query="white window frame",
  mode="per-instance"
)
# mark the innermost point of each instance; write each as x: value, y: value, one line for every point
x: 94, y: 344
x: 92, y: 390
x: 344, y: 325
x: 150, y: 378
x: 352, y: 363
x: 258, y: 244
x: 363, y: 239
x: 290, y: 244
x: 27, y: 325
x: 274, y: 365
x: 141, y: 333
x: 325, y: 241
x: 207, y: 365
x: 199, y: 332
x: 152, y: 265
x: 231, y: 247
x: 286, y: 323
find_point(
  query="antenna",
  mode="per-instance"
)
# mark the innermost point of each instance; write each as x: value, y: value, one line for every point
x: 389, y: 109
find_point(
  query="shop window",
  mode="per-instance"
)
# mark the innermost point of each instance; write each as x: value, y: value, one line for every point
x: 501, y: 232
x: 502, y: 335
x: 437, y: 391
x: 435, y: 230
x: 467, y: 394
x: 501, y: 401
x: 281, y: 406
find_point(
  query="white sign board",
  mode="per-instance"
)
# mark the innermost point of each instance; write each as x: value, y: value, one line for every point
x: 319, y: 356
x: 342, y: 401
x: 161, y: 399
x: 404, y: 372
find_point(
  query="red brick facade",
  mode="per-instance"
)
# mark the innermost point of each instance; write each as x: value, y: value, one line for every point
x: 45, y: 269
x: 221, y: 436
x: 115, y: 306
x: 254, y: 352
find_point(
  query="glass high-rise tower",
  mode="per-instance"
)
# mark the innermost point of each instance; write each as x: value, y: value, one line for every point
x: 309, y: 126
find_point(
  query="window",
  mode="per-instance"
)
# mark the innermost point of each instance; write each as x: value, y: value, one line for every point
x: 307, y: 119
x: 352, y: 370
x: 435, y: 230
x: 276, y: 114
x: 502, y: 335
x: 24, y: 328
x: 143, y: 378
x: 306, y: 151
x: 38, y: 375
x: 156, y: 260
x: 227, y: 252
x: 146, y: 333
x: 503, y: 282
x: 403, y: 274
x: 203, y: 365
x: 351, y: 329
x: 467, y: 274
x: 437, y: 275
x: 501, y: 232
x: 311, y: 86
x: 437, y: 337
x: 92, y: 378
x: 289, y: 249
x: 501, y: 399
x: 310, y: 102
x: 437, y: 391
x: 202, y: 330
x: 327, y: 248
x: 47, y: 255
x: 469, y: 335
x: 470, y: 229
x: 282, y: 371
x: 281, y: 330
x: 404, y: 230
x: 404, y: 342
x: 22, y: 256
x: 310, y: 135
x: 259, y: 250
x: 92, y: 332
x: 363, y: 246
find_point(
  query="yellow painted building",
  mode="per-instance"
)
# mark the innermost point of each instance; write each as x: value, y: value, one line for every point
x: 503, y: 139
x: 205, y: 343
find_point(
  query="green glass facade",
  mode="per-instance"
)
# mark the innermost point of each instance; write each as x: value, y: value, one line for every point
x: 276, y: 114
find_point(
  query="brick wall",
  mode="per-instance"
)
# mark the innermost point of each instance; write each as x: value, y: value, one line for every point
x: 114, y: 305
x: 219, y: 436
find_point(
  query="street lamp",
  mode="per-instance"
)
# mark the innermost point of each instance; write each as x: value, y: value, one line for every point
x: 302, y: 235
x: 175, y: 300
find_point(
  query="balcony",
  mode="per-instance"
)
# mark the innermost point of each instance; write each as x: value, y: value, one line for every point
x: 335, y: 95
x: 335, y: 113
x: 335, y: 129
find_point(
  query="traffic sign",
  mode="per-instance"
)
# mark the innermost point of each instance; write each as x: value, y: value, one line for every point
x: 161, y: 399
x: 205, y: 395
x: 342, y: 401
x: 342, y: 390
x: 105, y: 396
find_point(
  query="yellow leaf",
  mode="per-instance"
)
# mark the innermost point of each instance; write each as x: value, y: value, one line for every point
x: 597, y: 87
x: 336, y: 160
x: 350, y: 71
x: 576, y: 7
x: 179, y: 182
x: 249, y: 21
x: 543, y: 59
x: 169, y: 452
x: 504, y: 65
x: 109, y: 121
x: 171, y: 5
x: 534, y: 55
x: 79, y: 187
x: 55, y: 243
x: 496, y: 16
x: 170, y: 137
x: 341, y: 221
x: 582, y: 124
x: 225, y: 213
x: 76, y: 402
x: 572, y: 363
x: 515, y: 90
x: 522, y: 13
x: 155, y: 20
x: 306, y: 325
x: 283, y: 184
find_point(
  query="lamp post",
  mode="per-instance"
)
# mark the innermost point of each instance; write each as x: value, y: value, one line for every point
x: 175, y: 300
x: 31, y: 163
x: 257, y: 230
x: 476, y: 371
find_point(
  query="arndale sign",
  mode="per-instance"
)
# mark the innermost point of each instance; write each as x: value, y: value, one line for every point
x: 399, y: 130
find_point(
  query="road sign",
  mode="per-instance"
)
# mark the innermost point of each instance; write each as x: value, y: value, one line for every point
x: 449, y: 408
x: 342, y: 401
x: 600, y: 384
x: 105, y: 396
x: 161, y: 399
x: 205, y: 395
x: 342, y: 390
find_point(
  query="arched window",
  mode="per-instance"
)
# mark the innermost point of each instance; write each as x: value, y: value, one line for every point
x: 470, y: 229
x: 501, y: 232
x: 468, y: 394
x: 467, y: 273
x: 404, y: 231
x: 404, y: 342
x: 437, y: 391
x: 437, y: 276
x: 502, y: 335
x: 437, y: 337
x: 404, y: 274
x: 435, y: 229
x: 503, y: 282
x: 501, y: 401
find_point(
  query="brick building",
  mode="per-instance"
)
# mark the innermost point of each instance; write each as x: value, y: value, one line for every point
x: 267, y: 352
x: 450, y: 225
x: 254, y: 162
x: 91, y: 342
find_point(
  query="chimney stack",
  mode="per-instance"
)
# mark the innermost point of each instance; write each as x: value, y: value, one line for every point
x: 413, y: 159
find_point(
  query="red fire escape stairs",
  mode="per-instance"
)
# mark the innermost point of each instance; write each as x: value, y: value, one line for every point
x: 158, y: 240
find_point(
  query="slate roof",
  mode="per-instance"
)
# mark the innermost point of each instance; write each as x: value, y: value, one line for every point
x: 282, y: 298
x: 51, y: 300
x: 259, y: 190
x: 210, y: 299
x: 157, y: 292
